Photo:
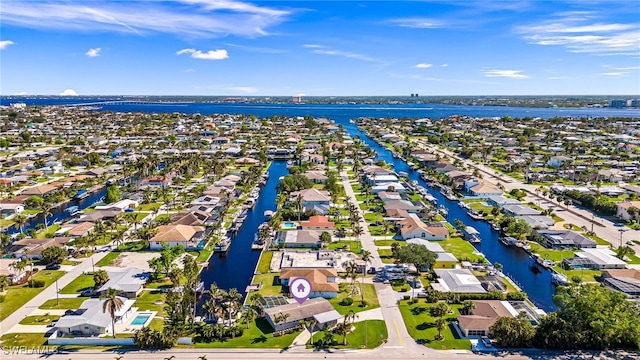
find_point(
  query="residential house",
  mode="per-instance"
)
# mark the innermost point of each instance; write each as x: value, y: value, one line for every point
x: 413, y: 227
x: 323, y: 280
x: 500, y: 201
x: 485, y: 314
x: 32, y: 248
x: 406, y: 205
x: 100, y: 215
x: 457, y: 281
x: 558, y: 161
x: 519, y: 210
x: 375, y: 179
x: 623, y: 280
x: 389, y: 195
x: 565, y: 238
x: 622, y: 209
x: 316, y: 176
x: 7, y: 269
x: 158, y: 181
x: 91, y: 320
x: 128, y: 283
x: 191, y: 237
x: 319, y: 309
x: 319, y: 222
x: 538, y: 222
x: 444, y: 260
x: 121, y: 205
x: 299, y: 238
x: 192, y: 218
x: 389, y: 187
x: 9, y: 209
x: 314, y: 200
x: 40, y: 190
x: 600, y: 259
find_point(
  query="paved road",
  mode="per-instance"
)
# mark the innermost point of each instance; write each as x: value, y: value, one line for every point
x: 604, y: 228
x: 49, y: 292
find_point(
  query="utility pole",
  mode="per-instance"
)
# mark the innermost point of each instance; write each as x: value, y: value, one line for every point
x: 57, y: 293
x: 622, y: 231
x: 93, y: 266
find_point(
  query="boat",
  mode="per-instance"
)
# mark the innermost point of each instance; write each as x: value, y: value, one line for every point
x: 72, y: 210
x: 496, y: 227
x: 268, y: 214
x: 559, y: 279
x: 443, y: 210
x: 81, y: 194
x: 250, y: 203
x: 508, y: 240
x: 474, y: 215
x: 222, y: 245
x: 471, y: 234
x: 289, y: 163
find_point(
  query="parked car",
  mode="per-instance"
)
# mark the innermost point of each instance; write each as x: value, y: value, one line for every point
x: 372, y: 270
x: 88, y: 292
x: 486, y: 341
x: 52, y: 266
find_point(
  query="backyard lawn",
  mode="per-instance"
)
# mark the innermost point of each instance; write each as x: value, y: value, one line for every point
x: 269, y: 286
x: 151, y: 301
x: 39, y: 319
x: 27, y: 340
x: 422, y: 327
x: 370, y: 297
x: 353, y: 246
x: 18, y: 295
x: 264, y: 266
x: 385, y: 256
x: 461, y: 249
x: 259, y: 335
x: 63, y: 303
x: 82, y: 282
x: 374, y: 330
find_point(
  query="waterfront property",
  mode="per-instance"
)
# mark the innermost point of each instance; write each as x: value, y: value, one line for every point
x: 90, y: 320
x: 128, y: 283
x: 188, y: 236
x: 484, y: 314
x: 413, y: 227
x: 323, y: 280
x: 457, y: 281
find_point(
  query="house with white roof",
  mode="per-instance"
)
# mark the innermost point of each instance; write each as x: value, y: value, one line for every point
x: 457, y: 281
x: 128, y: 283
x: 90, y: 320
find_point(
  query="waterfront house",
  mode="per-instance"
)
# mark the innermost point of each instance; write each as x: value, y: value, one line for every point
x: 9, y: 209
x: 485, y: 314
x: 413, y: 227
x: 484, y: 189
x: 32, y: 248
x: 406, y: 205
x: 79, y: 230
x: 389, y: 187
x: 319, y: 309
x: 313, y: 199
x: 158, y: 181
x: 121, y: 205
x: 191, y: 217
x: 500, y: 201
x: 40, y: 190
x: 319, y: 222
x: 375, y: 169
x: 558, y: 161
x: 375, y: 179
x: 600, y: 259
x: 538, y: 222
x: 90, y: 320
x: 457, y: 281
x: 623, y: 280
x: 555, y: 239
x: 299, y: 238
x: 389, y: 195
x: 519, y: 210
x: 101, y: 215
x: 128, y: 282
x: 316, y: 176
x: 191, y: 237
x: 323, y: 280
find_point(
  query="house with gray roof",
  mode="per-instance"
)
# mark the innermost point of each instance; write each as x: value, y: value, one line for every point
x: 128, y: 283
x: 565, y: 238
x: 90, y: 320
x: 519, y: 210
x: 318, y: 308
x: 299, y: 238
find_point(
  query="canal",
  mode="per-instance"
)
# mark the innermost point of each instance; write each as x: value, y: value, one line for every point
x: 516, y: 263
x: 58, y: 213
x: 235, y: 268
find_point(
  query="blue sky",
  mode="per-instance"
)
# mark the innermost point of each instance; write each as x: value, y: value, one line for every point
x: 342, y: 48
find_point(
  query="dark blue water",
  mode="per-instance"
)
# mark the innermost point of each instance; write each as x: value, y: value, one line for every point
x: 58, y: 213
x: 235, y: 268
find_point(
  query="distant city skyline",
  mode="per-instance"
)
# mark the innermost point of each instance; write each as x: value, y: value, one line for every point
x: 305, y: 48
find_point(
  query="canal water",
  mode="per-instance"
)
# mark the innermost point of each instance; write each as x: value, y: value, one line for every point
x: 235, y: 268
x: 59, y: 214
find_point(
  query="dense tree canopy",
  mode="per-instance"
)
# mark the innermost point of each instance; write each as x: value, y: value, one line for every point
x: 53, y: 255
x: 590, y: 317
x: 417, y: 255
x: 291, y: 183
x: 513, y: 332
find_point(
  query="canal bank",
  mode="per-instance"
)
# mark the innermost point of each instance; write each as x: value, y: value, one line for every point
x: 235, y: 268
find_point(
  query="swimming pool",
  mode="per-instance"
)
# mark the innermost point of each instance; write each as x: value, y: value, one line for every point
x: 141, y: 319
x: 289, y: 225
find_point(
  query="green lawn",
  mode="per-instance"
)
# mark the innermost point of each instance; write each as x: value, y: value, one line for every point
x: 48, y: 232
x: 18, y: 295
x: 555, y: 255
x: 370, y: 297
x: 269, y: 287
x: 27, y: 340
x: 264, y: 266
x: 353, y: 246
x: 39, y: 319
x: 586, y: 275
x: 151, y: 301
x: 374, y: 330
x: 461, y: 249
x: 63, y: 303
x: 108, y: 259
x: 162, y: 284
x: 156, y: 324
x: 421, y: 327
x: 82, y: 282
x: 385, y: 256
x: 387, y: 242
x: 259, y: 335
x: 148, y: 207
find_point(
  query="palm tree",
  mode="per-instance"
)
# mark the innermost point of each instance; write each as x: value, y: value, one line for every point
x: 299, y: 206
x: 309, y: 325
x: 468, y: 306
x: 45, y: 209
x: 21, y: 221
x: 440, y: 325
x: 112, y: 304
x: 366, y: 257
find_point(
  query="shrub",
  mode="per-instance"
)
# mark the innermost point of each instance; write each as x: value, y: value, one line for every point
x: 346, y: 301
x: 36, y: 283
x: 1, y: 299
x: 406, y: 297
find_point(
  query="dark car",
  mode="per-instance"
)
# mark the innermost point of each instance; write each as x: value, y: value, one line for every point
x: 52, y: 266
x: 88, y: 292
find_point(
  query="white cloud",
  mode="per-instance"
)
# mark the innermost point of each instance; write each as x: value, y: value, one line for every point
x: 219, y: 54
x: 444, y: 65
x: 243, y: 89
x: 93, y: 52
x: 5, y: 43
x: 581, y: 33
x: 422, y: 66
x: 69, y: 92
x: 21, y: 93
x: 189, y: 70
x: 512, y: 74
x: 629, y: 68
x: 418, y: 23
x: 614, y: 73
x: 323, y: 50
x: 195, y: 18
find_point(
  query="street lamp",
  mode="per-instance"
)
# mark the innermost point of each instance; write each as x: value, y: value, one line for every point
x: 622, y: 231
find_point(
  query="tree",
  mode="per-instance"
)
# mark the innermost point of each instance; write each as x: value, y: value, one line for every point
x: 113, y: 194
x: 439, y: 310
x: 112, y: 305
x: 21, y: 221
x: 417, y: 255
x: 512, y: 332
x: 309, y: 325
x: 623, y: 251
x: 4, y: 282
x: 45, y: 210
x: 440, y: 325
x: 366, y: 257
x: 325, y: 238
x: 53, y: 255
x: 467, y: 307
x: 633, y: 212
x: 100, y: 278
